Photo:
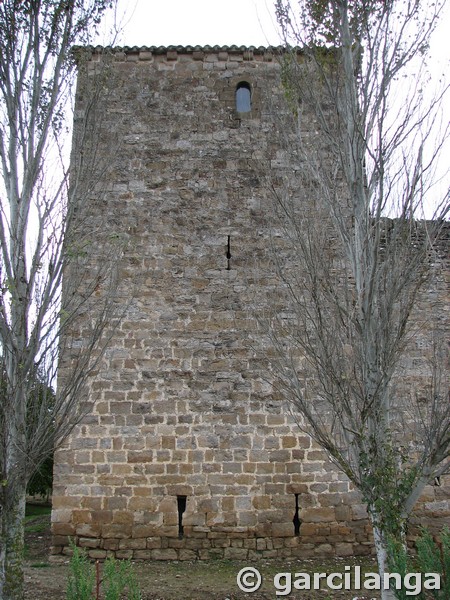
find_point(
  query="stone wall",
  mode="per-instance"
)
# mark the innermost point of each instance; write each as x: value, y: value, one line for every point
x: 189, y: 451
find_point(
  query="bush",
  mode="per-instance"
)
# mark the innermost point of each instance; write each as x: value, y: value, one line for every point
x: 41, y: 481
x: 118, y: 577
x: 432, y: 557
x: 81, y: 577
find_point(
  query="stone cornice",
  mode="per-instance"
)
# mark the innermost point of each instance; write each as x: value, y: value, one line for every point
x: 172, y: 52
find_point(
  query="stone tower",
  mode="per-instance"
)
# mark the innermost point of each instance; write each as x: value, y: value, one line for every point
x: 188, y: 451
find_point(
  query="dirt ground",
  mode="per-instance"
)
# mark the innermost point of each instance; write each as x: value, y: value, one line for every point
x: 161, y: 580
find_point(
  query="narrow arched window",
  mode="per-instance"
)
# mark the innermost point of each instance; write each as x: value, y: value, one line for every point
x: 243, y: 97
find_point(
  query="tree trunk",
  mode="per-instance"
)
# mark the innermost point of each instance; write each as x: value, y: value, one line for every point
x: 382, y: 559
x: 12, y: 552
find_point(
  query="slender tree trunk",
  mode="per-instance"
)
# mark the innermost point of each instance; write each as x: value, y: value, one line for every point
x: 12, y: 553
x: 14, y: 484
x: 382, y: 559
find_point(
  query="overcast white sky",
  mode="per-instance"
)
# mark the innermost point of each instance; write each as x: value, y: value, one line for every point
x: 222, y: 22
x: 199, y: 22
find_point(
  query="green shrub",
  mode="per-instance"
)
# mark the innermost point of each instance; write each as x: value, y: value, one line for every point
x: 399, y: 562
x: 81, y: 576
x: 41, y: 481
x: 434, y: 558
x: 431, y: 558
x: 118, y: 578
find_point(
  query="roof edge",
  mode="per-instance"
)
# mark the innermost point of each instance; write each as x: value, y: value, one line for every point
x: 180, y: 48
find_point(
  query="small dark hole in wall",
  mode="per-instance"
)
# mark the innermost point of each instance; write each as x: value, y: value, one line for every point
x: 296, y: 520
x: 181, y: 502
x: 228, y: 253
x: 437, y: 481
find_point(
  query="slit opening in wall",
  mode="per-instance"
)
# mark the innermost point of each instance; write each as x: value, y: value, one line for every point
x: 181, y: 504
x: 296, y: 520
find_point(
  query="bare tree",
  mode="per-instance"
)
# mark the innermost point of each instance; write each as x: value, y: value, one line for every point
x: 357, y: 257
x: 45, y: 234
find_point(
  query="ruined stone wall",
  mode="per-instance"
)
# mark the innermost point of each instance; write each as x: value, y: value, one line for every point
x: 188, y: 451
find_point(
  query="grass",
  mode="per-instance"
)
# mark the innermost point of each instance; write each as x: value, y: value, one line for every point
x: 37, y: 521
x: 35, y: 527
x: 33, y: 521
x: 37, y: 510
